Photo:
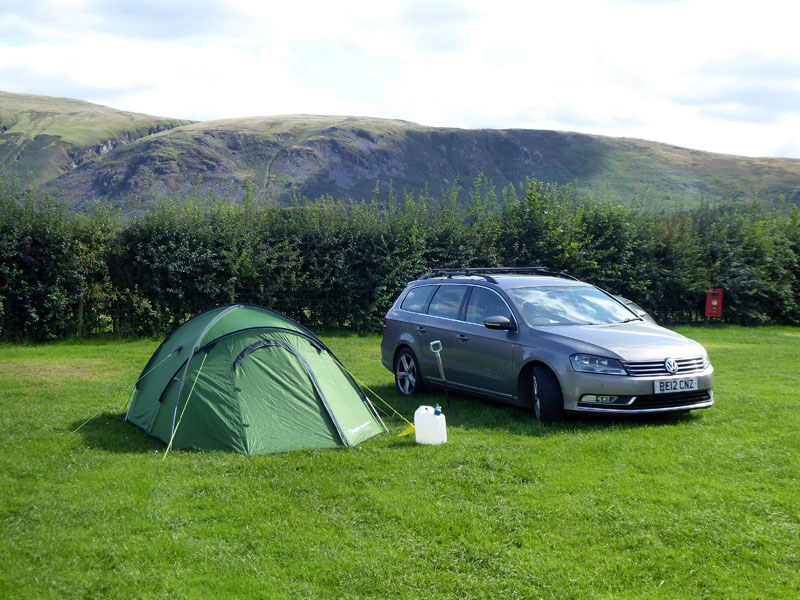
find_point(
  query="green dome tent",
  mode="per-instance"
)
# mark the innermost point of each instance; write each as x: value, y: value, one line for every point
x: 248, y: 379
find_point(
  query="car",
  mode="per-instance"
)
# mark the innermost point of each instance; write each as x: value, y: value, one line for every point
x: 542, y: 340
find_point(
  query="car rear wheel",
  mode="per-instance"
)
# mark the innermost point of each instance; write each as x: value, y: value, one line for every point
x: 406, y: 373
x: 548, y: 402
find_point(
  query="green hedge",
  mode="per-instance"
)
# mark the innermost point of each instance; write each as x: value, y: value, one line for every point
x: 333, y: 264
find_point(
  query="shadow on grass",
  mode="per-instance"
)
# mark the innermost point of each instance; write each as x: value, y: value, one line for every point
x: 109, y: 431
x: 475, y: 413
x: 600, y: 422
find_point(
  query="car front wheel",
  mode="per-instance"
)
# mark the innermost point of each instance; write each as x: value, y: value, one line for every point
x: 406, y: 373
x: 548, y: 402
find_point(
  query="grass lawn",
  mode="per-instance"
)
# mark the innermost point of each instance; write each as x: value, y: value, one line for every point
x: 699, y: 506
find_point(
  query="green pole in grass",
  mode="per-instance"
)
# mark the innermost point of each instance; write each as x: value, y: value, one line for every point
x: 436, y: 348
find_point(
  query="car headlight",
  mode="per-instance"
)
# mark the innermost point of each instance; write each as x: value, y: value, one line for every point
x: 586, y: 363
x: 706, y: 361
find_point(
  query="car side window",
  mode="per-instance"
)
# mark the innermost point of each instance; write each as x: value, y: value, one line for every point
x: 447, y: 301
x: 416, y: 298
x: 485, y: 303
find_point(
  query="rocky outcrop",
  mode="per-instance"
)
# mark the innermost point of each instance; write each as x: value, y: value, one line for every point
x: 79, y: 155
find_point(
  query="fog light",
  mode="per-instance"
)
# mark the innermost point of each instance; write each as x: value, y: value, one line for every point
x: 591, y: 398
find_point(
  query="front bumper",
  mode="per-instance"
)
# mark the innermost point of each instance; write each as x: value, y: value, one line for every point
x: 635, y: 395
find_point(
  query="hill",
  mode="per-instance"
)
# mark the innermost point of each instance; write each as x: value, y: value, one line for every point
x: 86, y: 152
x: 48, y: 137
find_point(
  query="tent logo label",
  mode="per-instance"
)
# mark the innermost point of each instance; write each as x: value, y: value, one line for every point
x: 355, y: 430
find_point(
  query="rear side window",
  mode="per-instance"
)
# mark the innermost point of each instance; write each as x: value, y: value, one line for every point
x: 485, y: 303
x: 447, y: 301
x: 416, y: 298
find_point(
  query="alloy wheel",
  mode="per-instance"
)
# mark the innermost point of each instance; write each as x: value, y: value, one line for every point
x: 406, y: 374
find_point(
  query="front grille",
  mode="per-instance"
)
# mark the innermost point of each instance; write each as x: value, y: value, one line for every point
x: 649, y: 368
x: 657, y: 401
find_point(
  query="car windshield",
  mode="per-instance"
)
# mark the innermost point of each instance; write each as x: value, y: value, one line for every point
x: 569, y: 305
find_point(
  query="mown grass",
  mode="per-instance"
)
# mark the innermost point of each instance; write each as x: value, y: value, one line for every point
x: 699, y: 506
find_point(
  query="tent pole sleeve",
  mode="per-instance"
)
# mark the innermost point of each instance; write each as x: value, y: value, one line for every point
x: 375, y: 412
x: 309, y: 372
x: 189, y: 361
x: 146, y: 372
x: 169, y: 446
x: 364, y: 396
x: 394, y: 410
x: 352, y: 379
x: 129, y: 404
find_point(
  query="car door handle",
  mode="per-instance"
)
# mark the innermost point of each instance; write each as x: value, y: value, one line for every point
x: 462, y: 338
x: 421, y: 329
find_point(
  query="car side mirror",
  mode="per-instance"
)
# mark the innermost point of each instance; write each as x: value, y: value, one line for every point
x: 499, y: 323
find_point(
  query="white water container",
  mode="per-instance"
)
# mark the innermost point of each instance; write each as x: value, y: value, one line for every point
x: 429, y: 425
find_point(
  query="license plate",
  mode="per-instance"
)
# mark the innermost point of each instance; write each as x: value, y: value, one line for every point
x: 671, y: 386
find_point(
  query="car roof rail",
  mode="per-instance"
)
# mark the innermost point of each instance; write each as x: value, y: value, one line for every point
x: 488, y: 272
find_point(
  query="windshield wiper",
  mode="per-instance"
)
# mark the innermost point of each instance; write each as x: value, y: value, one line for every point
x: 631, y: 319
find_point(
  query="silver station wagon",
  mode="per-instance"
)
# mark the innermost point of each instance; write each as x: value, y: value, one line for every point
x: 542, y: 340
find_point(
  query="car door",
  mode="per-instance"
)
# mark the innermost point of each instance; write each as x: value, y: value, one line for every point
x: 481, y: 359
x: 441, y: 325
x: 411, y: 325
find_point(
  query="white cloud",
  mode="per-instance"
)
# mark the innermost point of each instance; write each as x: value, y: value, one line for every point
x: 707, y: 74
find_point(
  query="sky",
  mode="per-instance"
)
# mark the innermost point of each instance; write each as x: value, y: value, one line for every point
x: 715, y: 75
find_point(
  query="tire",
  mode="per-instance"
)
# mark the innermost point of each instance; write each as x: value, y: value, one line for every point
x: 548, y: 402
x: 407, y: 376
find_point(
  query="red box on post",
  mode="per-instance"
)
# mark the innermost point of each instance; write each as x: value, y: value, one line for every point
x: 714, y: 303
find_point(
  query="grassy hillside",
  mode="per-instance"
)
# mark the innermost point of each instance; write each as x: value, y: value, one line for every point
x: 84, y: 151
x: 638, y: 166
x: 50, y: 136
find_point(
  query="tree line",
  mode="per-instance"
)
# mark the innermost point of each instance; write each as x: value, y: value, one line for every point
x: 331, y: 264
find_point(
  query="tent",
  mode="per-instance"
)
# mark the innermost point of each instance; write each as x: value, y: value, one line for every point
x: 248, y: 379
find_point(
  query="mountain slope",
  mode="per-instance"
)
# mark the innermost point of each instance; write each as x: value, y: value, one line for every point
x: 342, y: 156
x: 84, y: 152
x: 51, y: 136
